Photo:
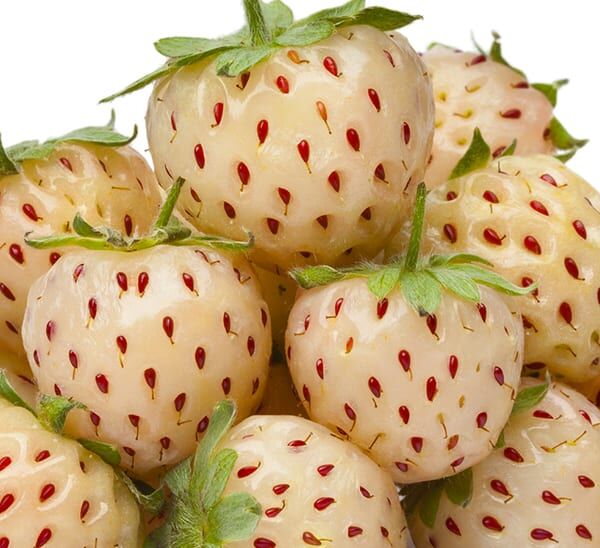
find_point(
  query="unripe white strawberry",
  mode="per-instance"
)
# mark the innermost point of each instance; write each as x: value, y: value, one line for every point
x: 311, y: 136
x: 108, y: 185
x: 420, y: 378
x: 541, y: 488
x: 53, y: 492
x: 537, y: 222
x: 149, y: 341
x: 473, y: 90
x: 282, y: 482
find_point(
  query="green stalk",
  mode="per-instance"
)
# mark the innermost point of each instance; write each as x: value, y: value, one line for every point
x: 259, y: 33
x: 414, y: 246
x: 167, y: 209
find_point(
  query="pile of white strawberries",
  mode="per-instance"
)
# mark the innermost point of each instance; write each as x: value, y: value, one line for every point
x: 355, y: 304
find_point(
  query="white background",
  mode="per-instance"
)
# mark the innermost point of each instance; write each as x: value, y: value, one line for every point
x: 61, y: 56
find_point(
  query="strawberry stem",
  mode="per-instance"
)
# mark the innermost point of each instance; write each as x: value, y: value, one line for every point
x: 259, y: 33
x: 414, y: 246
x: 167, y: 208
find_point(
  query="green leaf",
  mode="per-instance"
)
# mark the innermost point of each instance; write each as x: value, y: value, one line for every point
x: 551, y: 90
x: 457, y: 258
x: 456, y: 281
x: 564, y: 141
x: 10, y: 394
x: 459, y: 488
x: 236, y: 61
x: 491, y: 279
x: 495, y: 54
x: 7, y: 166
x: 430, y: 503
x: 277, y: 16
x: 220, y: 422
x: 421, y: 291
x: 151, y: 500
x: 348, y: 9
x: 477, y: 157
x: 436, y: 44
x: 510, y: 150
x: 529, y: 397
x: 83, y: 228
x: 37, y: 151
x: 183, y: 46
x: 233, y: 519
x: 63, y: 240
x: 108, y: 453
x: 260, y: 34
x: 305, y: 34
x: 178, y: 478
x: 166, y: 210
x: 53, y: 411
x: 142, y: 82
x: 381, y: 18
x: 316, y: 276
x: 414, y: 244
x: 500, y: 442
x: 382, y: 282
x: 216, y: 476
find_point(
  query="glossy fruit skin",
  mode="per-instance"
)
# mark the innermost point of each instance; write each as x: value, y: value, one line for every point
x: 51, y: 479
x: 296, y: 155
x: 313, y: 487
x: 151, y: 361
x: 559, y: 250
x: 408, y: 390
x: 473, y: 91
x: 107, y: 186
x: 541, y: 492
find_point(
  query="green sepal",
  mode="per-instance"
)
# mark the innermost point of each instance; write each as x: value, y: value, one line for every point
x: 478, y: 156
x: 495, y: 54
x: 52, y: 411
x: 10, y: 394
x: 421, y: 291
x: 565, y: 143
x: 459, y: 488
x: 7, y: 166
x: 233, y: 519
x: 316, y: 276
x: 500, y: 442
x: 151, y: 500
x: 551, y: 90
x: 430, y: 504
x: 384, y: 281
x: 107, y: 452
x: 529, y: 397
x: 510, y: 150
x: 270, y: 26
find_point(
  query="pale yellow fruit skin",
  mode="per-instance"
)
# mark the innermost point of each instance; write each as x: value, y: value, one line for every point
x: 189, y: 96
x: 280, y: 396
x: 555, y: 471
x: 127, y: 187
x: 198, y: 319
x: 113, y: 516
x: 263, y: 441
x: 280, y: 293
x: 570, y: 352
x: 376, y: 344
x: 469, y: 96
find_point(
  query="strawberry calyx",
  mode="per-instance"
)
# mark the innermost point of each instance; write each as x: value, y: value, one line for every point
x: 11, y: 157
x: 167, y: 230
x: 270, y: 27
x: 197, y: 513
x: 566, y: 145
x: 420, y: 279
x: 424, y: 498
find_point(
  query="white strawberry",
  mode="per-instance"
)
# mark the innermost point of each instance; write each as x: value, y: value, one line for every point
x: 537, y: 222
x: 412, y: 362
x: 43, y: 186
x: 19, y: 374
x: 53, y: 492
x: 482, y: 90
x: 292, y: 483
x: 312, y: 135
x: 541, y: 488
x: 148, y: 340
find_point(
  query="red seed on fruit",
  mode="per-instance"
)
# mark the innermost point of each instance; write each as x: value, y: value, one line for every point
x: 540, y: 534
x: 406, y: 133
x: 246, y: 471
x: 304, y: 150
x: 566, y: 312
x: 273, y: 225
x: 580, y: 229
x: 512, y: 454
x: 349, y: 412
x: 325, y: 469
x: 404, y: 359
x: 499, y: 375
x: 218, y: 113
x: 16, y: 253
x: 481, y: 420
x: 330, y: 65
x: 431, y: 388
x: 375, y: 387
x: 404, y: 413
x: 334, y: 181
x: 490, y: 522
x: 453, y: 366
x: 417, y: 443
x: 490, y: 197
x: 102, y: 383
x: 353, y: 139
x: 6, y: 292
x: 531, y: 244
x: 549, y: 497
x: 539, y: 207
x: 450, y: 233
x: 382, y: 307
x: 283, y: 84
x: 512, y: 113
x: 374, y: 97
x: 47, y: 491
x: 499, y: 487
x: 583, y: 532
x: 226, y: 385
x: 6, y: 502
x: 319, y: 367
x: 322, y: 503
x: 280, y: 488
x: 30, y: 212
x: 243, y: 173
x: 586, y: 482
x: 262, y: 130
x: 323, y: 220
x: 571, y: 267
x: 452, y: 527
x: 492, y: 236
